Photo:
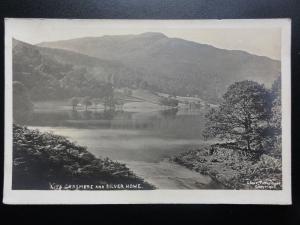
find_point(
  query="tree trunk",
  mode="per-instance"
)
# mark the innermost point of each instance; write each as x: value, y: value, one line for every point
x: 248, y: 145
x: 248, y: 123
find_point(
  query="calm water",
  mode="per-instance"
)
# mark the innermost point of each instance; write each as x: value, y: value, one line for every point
x: 142, y: 140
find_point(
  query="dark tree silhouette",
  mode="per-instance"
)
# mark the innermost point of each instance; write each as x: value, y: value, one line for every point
x: 170, y: 101
x: 243, y: 116
x: 96, y: 101
x: 276, y: 117
x: 87, y: 102
x: 108, y: 91
x: 276, y: 108
x: 74, y: 102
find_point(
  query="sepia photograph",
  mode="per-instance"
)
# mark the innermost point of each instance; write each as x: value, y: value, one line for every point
x: 147, y: 111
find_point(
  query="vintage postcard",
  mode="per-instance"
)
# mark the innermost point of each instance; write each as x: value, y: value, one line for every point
x: 147, y: 111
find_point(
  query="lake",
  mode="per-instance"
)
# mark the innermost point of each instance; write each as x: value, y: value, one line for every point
x: 142, y: 140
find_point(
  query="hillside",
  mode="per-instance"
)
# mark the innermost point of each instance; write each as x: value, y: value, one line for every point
x: 173, y: 65
x: 55, y: 74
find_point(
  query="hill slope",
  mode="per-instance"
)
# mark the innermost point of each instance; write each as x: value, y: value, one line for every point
x: 176, y: 65
x: 54, y: 73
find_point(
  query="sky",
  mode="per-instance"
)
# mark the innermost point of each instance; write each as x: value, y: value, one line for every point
x: 259, y: 37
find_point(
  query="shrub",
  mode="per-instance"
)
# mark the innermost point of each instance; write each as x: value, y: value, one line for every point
x: 43, y: 158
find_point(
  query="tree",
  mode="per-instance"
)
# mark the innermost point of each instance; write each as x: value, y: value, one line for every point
x: 243, y: 116
x: 143, y: 85
x: 108, y: 92
x: 169, y: 101
x: 276, y: 117
x: 97, y: 101
x: 128, y: 92
x: 74, y: 102
x: 87, y: 102
x: 276, y: 106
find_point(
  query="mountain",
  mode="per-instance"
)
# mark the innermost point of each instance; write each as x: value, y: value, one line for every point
x: 54, y: 73
x: 174, y: 65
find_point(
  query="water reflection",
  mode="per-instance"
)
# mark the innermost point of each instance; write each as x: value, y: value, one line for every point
x: 169, y: 112
x: 171, y: 123
x: 92, y: 115
x: 56, y: 118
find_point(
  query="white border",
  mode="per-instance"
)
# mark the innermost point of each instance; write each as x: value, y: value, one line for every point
x: 159, y: 196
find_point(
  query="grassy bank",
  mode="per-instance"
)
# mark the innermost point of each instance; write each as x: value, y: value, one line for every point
x: 43, y: 161
x: 233, y: 168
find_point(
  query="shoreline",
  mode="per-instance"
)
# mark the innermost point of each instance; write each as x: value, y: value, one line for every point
x: 45, y: 161
x: 236, y: 174
x: 167, y: 174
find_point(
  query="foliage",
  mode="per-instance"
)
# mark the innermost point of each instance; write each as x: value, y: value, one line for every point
x: 40, y: 75
x: 169, y: 101
x: 40, y: 159
x: 74, y: 102
x: 86, y: 101
x: 276, y: 107
x: 276, y: 116
x: 80, y: 82
x: 234, y: 169
x: 109, y: 96
x: 47, y: 78
x: 128, y: 92
x: 22, y: 105
x: 96, y: 101
x: 243, y: 116
x: 249, y: 119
